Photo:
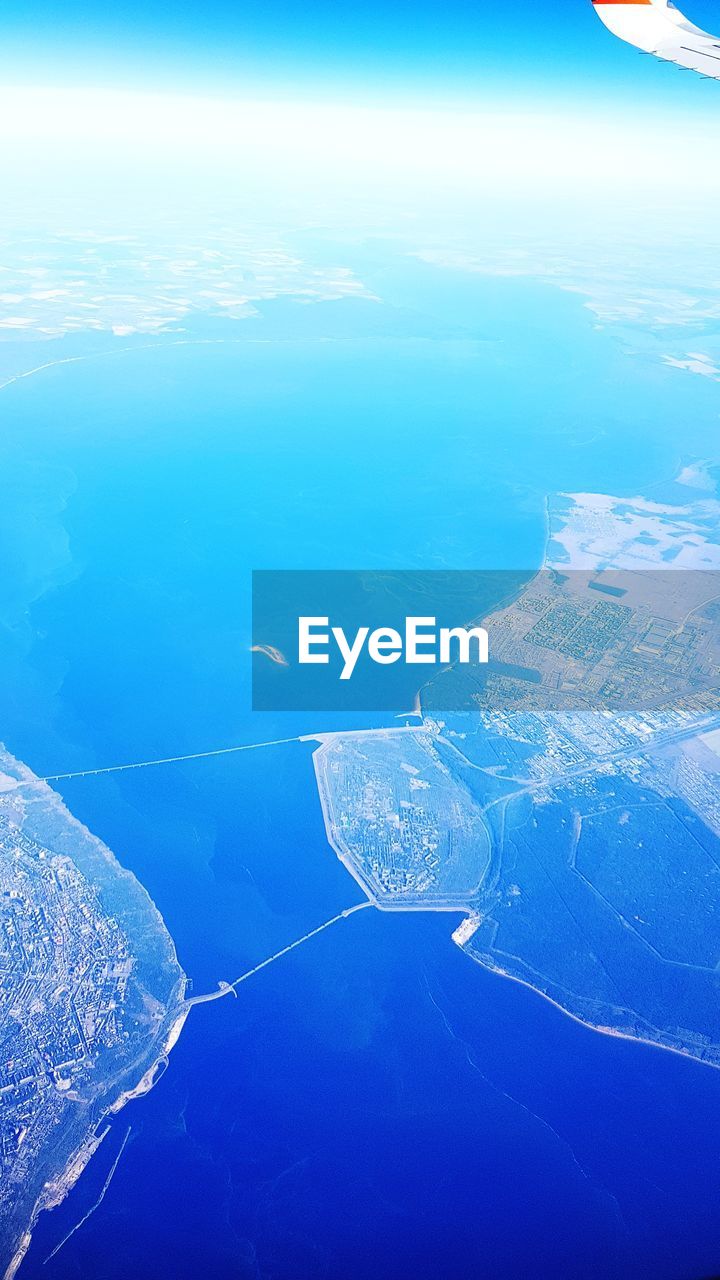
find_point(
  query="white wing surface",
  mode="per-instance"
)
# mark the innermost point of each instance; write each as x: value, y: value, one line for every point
x: 656, y: 26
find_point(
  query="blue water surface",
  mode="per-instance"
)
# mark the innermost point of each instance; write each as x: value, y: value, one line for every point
x: 375, y: 1104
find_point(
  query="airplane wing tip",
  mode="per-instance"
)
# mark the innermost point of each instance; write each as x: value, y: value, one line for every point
x: 658, y: 27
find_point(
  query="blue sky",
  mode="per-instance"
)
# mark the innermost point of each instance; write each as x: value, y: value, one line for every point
x: 442, y: 49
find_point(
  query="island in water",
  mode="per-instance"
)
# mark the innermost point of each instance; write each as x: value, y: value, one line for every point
x: 566, y: 798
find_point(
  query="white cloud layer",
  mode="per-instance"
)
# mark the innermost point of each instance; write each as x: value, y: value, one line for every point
x: 513, y: 146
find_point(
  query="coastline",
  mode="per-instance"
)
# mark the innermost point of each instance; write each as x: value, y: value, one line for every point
x: 156, y: 1007
x: 567, y: 540
x: 56, y: 1191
